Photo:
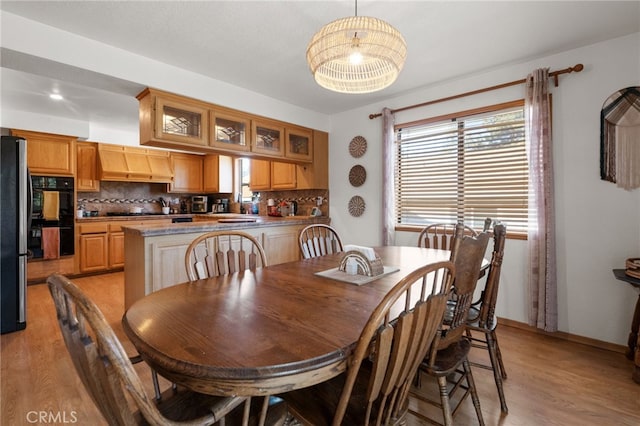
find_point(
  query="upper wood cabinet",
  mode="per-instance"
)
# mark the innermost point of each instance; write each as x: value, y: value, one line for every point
x: 260, y: 178
x: 48, y: 154
x: 194, y: 173
x: 298, y: 144
x: 267, y: 138
x: 217, y: 174
x: 172, y: 121
x: 230, y: 130
x: 87, y: 167
x: 316, y: 174
x: 132, y: 164
x: 187, y: 173
x: 272, y: 175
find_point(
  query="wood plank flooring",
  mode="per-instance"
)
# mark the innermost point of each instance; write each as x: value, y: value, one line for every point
x: 551, y: 381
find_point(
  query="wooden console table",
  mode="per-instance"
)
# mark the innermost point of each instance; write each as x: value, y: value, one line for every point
x: 634, y: 337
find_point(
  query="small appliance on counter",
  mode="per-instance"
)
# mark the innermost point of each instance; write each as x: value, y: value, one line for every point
x: 199, y: 204
x: 219, y: 205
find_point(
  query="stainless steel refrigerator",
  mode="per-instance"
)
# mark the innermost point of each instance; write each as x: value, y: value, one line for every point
x: 15, y: 202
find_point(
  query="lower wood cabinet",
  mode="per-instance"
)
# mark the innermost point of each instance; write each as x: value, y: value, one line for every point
x: 101, y: 244
x: 94, y: 247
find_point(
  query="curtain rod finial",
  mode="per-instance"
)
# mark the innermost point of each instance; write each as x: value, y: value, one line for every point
x: 372, y: 116
x: 577, y: 68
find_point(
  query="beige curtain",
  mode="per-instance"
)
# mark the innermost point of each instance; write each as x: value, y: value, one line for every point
x: 543, y: 303
x: 388, y: 180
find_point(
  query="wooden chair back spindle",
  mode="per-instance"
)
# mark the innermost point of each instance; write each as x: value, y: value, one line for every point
x: 222, y: 253
x: 319, y: 240
x: 441, y: 235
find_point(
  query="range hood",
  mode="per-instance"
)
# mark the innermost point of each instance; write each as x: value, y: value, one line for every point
x: 131, y: 164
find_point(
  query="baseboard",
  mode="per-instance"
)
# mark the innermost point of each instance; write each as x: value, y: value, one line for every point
x: 565, y: 336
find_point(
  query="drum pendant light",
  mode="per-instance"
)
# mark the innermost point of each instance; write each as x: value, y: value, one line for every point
x: 357, y: 54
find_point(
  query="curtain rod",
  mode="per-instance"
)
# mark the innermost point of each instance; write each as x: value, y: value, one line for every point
x: 554, y: 74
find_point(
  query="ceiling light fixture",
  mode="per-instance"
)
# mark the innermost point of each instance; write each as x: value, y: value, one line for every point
x: 358, y: 54
x: 56, y: 96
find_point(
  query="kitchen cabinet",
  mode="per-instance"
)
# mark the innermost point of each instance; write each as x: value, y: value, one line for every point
x: 87, y: 167
x: 316, y: 174
x: 217, y: 174
x: 194, y: 173
x: 298, y: 144
x: 283, y: 175
x: 172, y: 121
x: 49, y: 154
x: 116, y: 246
x: 94, y: 245
x: 187, y: 173
x: 132, y: 164
x: 281, y: 244
x: 101, y: 243
x: 267, y: 137
x: 230, y: 130
x: 260, y: 178
x: 272, y: 175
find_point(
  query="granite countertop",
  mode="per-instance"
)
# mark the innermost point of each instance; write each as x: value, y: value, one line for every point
x: 215, y: 222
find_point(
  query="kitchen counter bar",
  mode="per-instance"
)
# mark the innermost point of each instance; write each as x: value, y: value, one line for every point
x: 154, y: 253
x: 206, y: 223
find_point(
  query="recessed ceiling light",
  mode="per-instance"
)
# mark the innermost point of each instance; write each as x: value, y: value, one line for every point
x: 56, y: 96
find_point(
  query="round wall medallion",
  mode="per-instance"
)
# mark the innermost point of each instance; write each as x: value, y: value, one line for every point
x: 357, y: 146
x: 357, y: 175
x: 356, y: 206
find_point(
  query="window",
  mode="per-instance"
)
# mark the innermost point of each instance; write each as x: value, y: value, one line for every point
x: 464, y: 167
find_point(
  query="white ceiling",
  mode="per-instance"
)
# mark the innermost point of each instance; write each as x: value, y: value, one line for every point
x: 260, y: 45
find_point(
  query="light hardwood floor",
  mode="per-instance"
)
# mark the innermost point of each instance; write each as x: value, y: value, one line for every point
x: 551, y: 381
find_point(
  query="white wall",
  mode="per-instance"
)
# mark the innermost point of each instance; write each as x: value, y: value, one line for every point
x: 46, y: 42
x: 598, y: 224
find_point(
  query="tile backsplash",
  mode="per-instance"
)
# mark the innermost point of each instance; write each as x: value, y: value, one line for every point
x: 118, y: 197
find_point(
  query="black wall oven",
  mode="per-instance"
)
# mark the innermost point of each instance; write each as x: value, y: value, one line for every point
x: 66, y: 214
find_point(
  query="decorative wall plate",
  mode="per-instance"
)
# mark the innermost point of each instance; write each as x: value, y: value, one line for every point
x: 357, y: 147
x: 357, y: 175
x: 356, y: 206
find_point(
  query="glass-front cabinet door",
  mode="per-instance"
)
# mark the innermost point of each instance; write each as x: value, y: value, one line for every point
x: 230, y: 131
x: 299, y: 144
x: 267, y: 138
x: 180, y: 122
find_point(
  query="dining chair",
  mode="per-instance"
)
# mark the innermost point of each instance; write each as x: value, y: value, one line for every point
x: 482, y: 321
x: 114, y: 385
x: 319, y: 240
x: 398, y: 335
x: 449, y: 364
x: 223, y: 252
x: 440, y: 235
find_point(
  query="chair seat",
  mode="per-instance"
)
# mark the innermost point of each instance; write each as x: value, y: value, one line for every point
x: 182, y: 405
x: 448, y: 359
x: 316, y: 405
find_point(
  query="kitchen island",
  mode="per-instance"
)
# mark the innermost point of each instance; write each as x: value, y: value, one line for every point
x: 154, y: 254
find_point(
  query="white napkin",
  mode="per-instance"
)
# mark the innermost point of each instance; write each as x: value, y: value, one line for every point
x: 367, y: 252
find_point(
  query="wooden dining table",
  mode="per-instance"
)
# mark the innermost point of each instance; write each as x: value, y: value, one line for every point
x: 280, y: 328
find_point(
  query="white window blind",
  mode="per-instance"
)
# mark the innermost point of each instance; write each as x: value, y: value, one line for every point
x: 465, y: 168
